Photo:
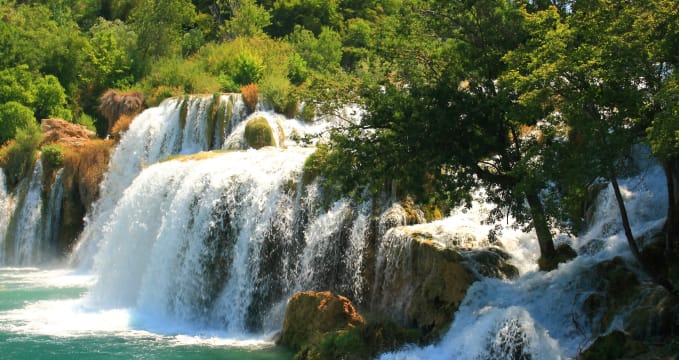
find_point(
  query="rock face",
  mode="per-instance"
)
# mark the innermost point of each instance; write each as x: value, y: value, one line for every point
x: 311, y: 314
x: 423, y: 272
x: 420, y: 283
x: 62, y: 132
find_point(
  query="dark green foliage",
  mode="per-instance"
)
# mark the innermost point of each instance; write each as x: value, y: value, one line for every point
x: 17, y: 157
x: 14, y: 117
x: 52, y: 156
x: 308, y: 14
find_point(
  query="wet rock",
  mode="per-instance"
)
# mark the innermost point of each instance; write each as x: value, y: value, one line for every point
x: 258, y: 133
x: 420, y: 283
x: 614, y: 345
x: 493, y: 262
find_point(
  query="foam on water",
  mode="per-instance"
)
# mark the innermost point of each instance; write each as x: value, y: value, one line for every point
x: 539, y: 314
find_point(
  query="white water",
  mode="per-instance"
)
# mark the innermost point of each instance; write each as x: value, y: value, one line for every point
x: 26, y: 237
x: 539, y: 314
x: 213, y: 248
x: 6, y: 211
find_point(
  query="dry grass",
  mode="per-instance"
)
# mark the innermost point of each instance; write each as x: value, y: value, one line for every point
x: 85, y: 167
x: 114, y: 104
x: 121, y: 126
x: 250, y: 96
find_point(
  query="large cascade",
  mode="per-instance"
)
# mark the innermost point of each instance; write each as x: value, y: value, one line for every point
x: 219, y: 238
x: 196, y: 233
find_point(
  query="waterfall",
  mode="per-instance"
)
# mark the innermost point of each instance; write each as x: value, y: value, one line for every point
x: 222, y: 241
x: 23, y: 245
x: 6, y: 211
x: 539, y: 315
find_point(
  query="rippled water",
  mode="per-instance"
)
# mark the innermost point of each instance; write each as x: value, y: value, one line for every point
x: 45, y: 315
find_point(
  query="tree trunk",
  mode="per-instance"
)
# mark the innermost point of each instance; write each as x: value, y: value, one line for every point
x: 537, y: 212
x: 671, y: 228
x: 657, y: 278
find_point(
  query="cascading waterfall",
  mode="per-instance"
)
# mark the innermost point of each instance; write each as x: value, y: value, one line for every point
x: 29, y: 226
x: 186, y: 240
x: 538, y: 316
x: 23, y: 245
x: 6, y: 211
x: 177, y: 126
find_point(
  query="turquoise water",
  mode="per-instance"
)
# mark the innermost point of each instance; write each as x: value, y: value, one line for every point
x: 44, y: 315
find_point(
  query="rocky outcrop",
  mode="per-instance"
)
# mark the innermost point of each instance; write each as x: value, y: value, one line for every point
x: 311, y: 315
x: 65, y: 133
x: 422, y: 275
x: 644, y: 312
x: 419, y: 283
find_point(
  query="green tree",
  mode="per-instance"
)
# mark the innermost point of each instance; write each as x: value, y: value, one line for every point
x: 14, y: 117
x: 247, y: 19
x: 44, y: 95
x: 452, y: 126
x: 323, y: 53
x: 159, y: 25
x: 312, y: 15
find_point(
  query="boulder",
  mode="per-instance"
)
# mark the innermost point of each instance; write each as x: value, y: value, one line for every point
x: 419, y: 283
x: 311, y: 315
x: 66, y: 133
x: 258, y: 133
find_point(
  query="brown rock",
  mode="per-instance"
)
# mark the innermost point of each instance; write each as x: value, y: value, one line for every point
x: 63, y: 132
x: 312, y: 314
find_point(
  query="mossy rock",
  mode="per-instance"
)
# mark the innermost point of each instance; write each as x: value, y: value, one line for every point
x: 615, y: 345
x: 258, y: 133
x: 311, y: 315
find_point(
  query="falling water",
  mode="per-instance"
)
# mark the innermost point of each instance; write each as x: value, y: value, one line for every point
x: 538, y: 315
x: 6, y: 211
x: 25, y: 233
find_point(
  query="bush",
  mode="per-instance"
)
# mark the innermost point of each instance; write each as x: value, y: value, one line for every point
x: 249, y: 69
x: 278, y: 91
x: 86, y: 121
x: 250, y: 97
x: 17, y: 156
x: 13, y: 117
x: 297, y: 69
x: 258, y: 133
x: 52, y: 156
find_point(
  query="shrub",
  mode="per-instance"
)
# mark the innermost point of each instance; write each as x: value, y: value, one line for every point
x: 249, y: 69
x: 52, y: 156
x: 250, y: 96
x: 86, y: 121
x: 258, y: 133
x: 278, y: 91
x: 121, y: 126
x: 17, y: 156
x: 13, y: 117
x: 297, y: 69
